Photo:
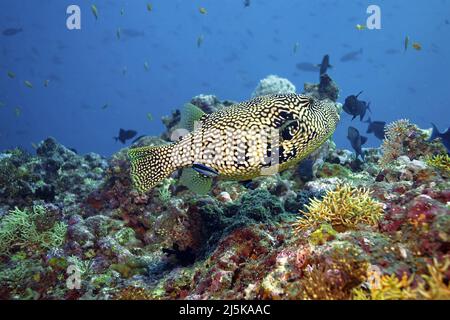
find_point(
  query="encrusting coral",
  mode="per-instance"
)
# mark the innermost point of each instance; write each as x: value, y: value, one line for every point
x: 343, y: 208
x: 334, y: 278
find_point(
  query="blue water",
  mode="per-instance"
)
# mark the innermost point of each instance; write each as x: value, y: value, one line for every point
x: 241, y: 46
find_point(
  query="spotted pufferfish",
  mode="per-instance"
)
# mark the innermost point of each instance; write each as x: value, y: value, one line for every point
x: 262, y: 136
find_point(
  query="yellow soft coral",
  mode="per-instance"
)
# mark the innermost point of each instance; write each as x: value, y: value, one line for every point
x: 434, y: 286
x: 344, y: 208
x: 386, y: 287
x: 440, y: 162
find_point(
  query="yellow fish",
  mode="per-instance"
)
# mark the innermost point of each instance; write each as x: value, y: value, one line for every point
x: 94, y: 11
x: 262, y: 136
x: 417, y: 46
x: 149, y: 7
x: 360, y: 27
x: 202, y: 10
x: 149, y: 116
x: 28, y: 84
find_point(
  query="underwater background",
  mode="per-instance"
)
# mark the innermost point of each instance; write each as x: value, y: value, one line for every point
x: 364, y: 216
x: 90, y: 68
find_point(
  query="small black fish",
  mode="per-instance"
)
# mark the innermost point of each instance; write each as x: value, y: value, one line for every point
x: 355, y: 107
x: 356, y: 140
x: 351, y: 56
x: 246, y: 3
x: 307, y: 66
x: 11, y: 31
x: 377, y: 128
x: 325, y: 64
x: 184, y: 257
x: 445, y: 137
x: 125, y: 135
x: 305, y: 169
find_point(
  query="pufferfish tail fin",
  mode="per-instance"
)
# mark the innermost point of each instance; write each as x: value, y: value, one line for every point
x: 151, y: 165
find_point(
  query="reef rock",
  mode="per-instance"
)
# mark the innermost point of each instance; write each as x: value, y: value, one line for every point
x: 273, y: 84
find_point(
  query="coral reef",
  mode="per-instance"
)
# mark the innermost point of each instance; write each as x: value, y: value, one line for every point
x: 405, y: 139
x: 325, y: 89
x: 333, y: 227
x: 273, y: 84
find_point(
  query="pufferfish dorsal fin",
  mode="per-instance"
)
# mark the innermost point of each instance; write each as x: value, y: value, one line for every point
x: 191, y: 116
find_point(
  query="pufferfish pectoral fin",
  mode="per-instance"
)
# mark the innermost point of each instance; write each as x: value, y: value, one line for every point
x: 190, y: 117
x: 196, y: 182
x: 205, y: 170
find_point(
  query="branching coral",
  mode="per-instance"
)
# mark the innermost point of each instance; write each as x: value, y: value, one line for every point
x: 440, y: 162
x: 432, y: 286
x: 385, y: 287
x: 344, y: 208
x: 20, y: 228
x: 405, y: 139
x: 436, y: 285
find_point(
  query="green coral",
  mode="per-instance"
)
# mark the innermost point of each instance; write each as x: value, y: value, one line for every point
x: 18, y: 274
x: 125, y: 236
x: 344, y: 208
x: 164, y: 193
x: 323, y: 234
x: 20, y: 228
